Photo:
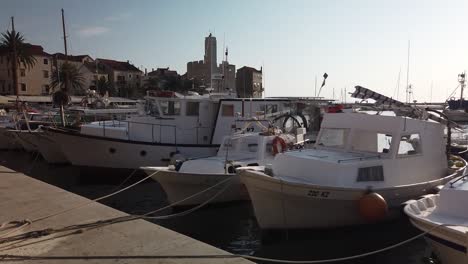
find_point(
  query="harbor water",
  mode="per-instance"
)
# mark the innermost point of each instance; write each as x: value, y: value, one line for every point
x: 232, y: 227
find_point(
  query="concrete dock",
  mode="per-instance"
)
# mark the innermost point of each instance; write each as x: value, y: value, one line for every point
x: 22, y: 197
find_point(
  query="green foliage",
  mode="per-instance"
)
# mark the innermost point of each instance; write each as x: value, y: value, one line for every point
x: 104, y: 86
x: 70, y: 72
x: 23, y: 53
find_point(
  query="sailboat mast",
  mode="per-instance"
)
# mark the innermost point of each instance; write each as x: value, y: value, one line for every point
x: 14, y: 60
x: 64, y: 36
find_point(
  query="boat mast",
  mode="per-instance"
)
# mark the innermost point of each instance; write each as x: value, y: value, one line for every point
x: 14, y: 60
x: 62, y: 114
x: 461, y: 80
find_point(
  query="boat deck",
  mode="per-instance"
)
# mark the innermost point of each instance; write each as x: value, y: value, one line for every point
x: 22, y: 197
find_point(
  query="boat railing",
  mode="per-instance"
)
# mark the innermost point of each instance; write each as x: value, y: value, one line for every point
x: 160, y: 133
x: 359, y: 158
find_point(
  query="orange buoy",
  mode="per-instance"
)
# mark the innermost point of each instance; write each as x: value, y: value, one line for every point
x: 373, y: 207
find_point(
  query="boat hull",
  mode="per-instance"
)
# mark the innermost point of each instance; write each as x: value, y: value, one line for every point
x: 95, y: 151
x: 8, y: 140
x: 179, y: 186
x: 49, y: 149
x: 279, y: 204
x: 448, y: 244
x: 26, y: 139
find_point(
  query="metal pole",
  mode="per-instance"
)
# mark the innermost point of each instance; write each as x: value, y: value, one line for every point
x: 62, y: 114
x: 14, y: 60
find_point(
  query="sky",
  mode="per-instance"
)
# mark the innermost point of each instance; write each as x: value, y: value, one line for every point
x: 356, y: 42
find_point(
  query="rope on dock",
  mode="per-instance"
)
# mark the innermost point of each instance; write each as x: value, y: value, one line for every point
x: 94, y: 200
x: 80, y: 228
x: 218, y: 256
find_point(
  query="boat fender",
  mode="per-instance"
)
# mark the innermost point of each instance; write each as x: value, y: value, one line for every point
x: 372, y: 207
x: 279, y: 145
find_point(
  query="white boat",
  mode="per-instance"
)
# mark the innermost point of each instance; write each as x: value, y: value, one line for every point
x: 445, y: 219
x: 193, y: 176
x: 396, y: 157
x: 174, y: 125
x: 7, y: 139
x: 457, y: 109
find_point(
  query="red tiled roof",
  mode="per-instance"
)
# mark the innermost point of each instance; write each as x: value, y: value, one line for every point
x: 78, y: 58
x: 119, y: 65
x: 30, y: 49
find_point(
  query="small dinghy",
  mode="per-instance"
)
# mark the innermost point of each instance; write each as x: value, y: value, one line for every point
x: 445, y: 219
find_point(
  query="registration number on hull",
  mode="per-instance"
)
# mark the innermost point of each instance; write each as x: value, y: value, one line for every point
x: 320, y: 194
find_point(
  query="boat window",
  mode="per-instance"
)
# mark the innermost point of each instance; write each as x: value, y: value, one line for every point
x: 227, y: 110
x: 371, y: 141
x: 170, y: 107
x: 409, y: 145
x: 151, y: 108
x: 333, y: 137
x: 374, y: 173
x: 192, y: 108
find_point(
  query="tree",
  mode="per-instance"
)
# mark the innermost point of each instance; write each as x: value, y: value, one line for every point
x: 11, y: 40
x: 75, y: 78
x: 104, y: 86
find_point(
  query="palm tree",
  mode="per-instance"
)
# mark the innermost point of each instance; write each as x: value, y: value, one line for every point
x: 11, y: 40
x: 70, y: 72
x: 103, y: 86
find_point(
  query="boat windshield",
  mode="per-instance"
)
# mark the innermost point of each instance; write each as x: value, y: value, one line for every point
x: 370, y: 141
x: 333, y: 137
x: 151, y: 108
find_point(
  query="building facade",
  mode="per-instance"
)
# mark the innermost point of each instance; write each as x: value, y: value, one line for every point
x: 124, y: 77
x: 31, y: 81
x: 89, y: 69
x: 249, y: 82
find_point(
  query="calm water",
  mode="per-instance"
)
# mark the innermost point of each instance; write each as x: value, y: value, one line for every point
x: 232, y: 227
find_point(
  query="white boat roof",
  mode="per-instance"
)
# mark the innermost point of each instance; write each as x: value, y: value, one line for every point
x: 380, y: 123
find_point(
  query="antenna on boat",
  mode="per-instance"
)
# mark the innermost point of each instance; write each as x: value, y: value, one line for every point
x: 408, y: 88
x: 461, y: 80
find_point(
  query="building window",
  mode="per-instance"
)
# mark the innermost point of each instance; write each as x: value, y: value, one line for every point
x: 192, y: 108
x: 227, y: 110
x: 23, y: 87
x: 46, y: 89
x: 129, y: 76
x: 46, y: 61
x: 46, y: 74
x: 22, y: 72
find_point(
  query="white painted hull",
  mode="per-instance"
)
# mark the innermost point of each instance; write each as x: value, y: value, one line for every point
x: 24, y: 137
x: 179, y: 186
x: 286, y: 205
x: 94, y: 151
x: 450, y: 246
x: 8, y: 140
x: 49, y: 149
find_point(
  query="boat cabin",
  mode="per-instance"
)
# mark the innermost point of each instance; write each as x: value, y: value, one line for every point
x: 358, y: 149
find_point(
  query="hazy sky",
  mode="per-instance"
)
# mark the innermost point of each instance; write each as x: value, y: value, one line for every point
x: 355, y: 42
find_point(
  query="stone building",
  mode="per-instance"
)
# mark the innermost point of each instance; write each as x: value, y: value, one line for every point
x: 249, y: 82
x: 124, y: 76
x: 207, y: 71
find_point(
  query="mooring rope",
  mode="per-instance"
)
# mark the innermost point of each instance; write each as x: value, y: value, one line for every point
x: 102, y: 223
x: 7, y: 257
